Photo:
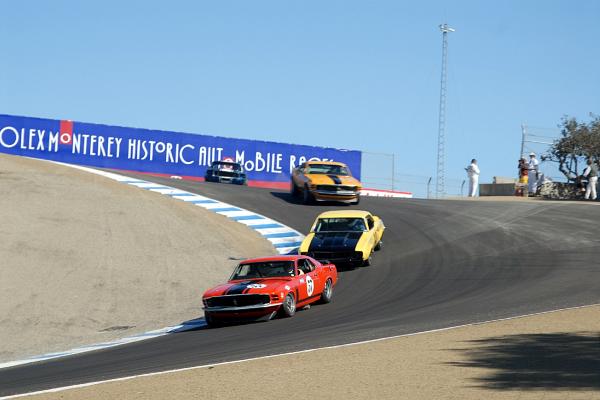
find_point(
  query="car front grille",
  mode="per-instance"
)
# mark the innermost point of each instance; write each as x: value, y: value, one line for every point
x: 240, y: 300
x: 336, y: 255
x: 227, y: 174
x: 337, y: 188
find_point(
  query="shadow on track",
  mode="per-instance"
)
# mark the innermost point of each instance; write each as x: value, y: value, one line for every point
x: 287, y: 197
x: 537, y: 361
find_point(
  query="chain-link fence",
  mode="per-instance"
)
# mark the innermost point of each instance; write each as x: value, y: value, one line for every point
x: 380, y: 171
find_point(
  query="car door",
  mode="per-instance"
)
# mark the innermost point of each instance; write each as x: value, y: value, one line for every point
x: 302, y: 284
x: 308, y: 282
x: 371, y: 232
x: 316, y: 274
x: 379, y: 228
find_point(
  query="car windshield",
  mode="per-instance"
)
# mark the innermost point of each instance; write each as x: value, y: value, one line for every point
x: 327, y: 169
x: 227, y: 166
x: 340, y: 225
x: 265, y: 269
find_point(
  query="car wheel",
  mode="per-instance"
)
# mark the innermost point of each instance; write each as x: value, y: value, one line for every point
x: 288, y: 308
x: 294, y: 190
x: 327, y: 292
x: 367, y: 262
x: 211, y: 322
x: 379, y: 245
x: 306, y: 196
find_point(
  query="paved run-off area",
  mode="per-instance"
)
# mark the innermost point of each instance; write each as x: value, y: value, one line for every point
x: 549, y: 356
x: 86, y: 259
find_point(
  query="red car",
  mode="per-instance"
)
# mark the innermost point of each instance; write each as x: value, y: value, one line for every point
x: 262, y: 287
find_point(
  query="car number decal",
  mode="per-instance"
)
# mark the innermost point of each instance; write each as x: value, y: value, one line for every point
x: 310, y: 285
x: 256, y: 286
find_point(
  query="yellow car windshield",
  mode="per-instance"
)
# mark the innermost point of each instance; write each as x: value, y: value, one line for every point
x: 327, y: 169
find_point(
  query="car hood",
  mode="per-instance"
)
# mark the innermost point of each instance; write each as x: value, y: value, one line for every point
x: 249, y: 286
x: 322, y: 179
x: 334, y: 241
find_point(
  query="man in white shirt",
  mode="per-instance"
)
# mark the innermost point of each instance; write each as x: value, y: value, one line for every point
x: 533, y: 173
x: 473, y: 173
x: 591, y: 173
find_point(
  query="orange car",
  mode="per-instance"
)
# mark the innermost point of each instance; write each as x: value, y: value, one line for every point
x: 325, y: 181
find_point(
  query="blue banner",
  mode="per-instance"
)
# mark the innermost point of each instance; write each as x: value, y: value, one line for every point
x: 153, y: 151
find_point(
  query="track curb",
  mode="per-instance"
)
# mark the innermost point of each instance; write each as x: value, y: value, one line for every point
x: 285, y: 240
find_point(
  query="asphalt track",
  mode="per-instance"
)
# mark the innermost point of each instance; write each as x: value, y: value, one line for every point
x: 444, y: 263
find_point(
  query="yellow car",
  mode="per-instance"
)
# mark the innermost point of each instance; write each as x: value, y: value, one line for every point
x: 325, y: 181
x: 344, y: 237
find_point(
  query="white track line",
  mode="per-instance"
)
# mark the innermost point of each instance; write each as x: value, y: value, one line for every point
x: 82, y: 385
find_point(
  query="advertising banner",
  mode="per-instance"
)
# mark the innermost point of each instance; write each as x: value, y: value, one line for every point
x: 160, y: 152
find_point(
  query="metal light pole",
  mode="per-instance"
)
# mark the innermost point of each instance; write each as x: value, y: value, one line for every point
x: 440, y: 184
x: 523, y: 135
x: 393, y: 170
x: 428, y: 188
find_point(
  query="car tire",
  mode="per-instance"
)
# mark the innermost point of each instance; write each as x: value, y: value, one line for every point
x: 294, y: 190
x: 379, y: 245
x: 327, y: 292
x: 288, y: 308
x: 367, y: 262
x: 211, y: 322
x: 306, y: 196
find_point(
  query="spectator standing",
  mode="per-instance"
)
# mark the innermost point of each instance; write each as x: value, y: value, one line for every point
x: 591, y: 173
x: 533, y: 173
x: 523, y: 170
x: 473, y: 173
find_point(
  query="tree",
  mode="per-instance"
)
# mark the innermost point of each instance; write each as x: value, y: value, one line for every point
x: 579, y: 141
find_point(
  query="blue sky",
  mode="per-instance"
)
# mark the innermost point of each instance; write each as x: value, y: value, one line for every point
x: 352, y: 74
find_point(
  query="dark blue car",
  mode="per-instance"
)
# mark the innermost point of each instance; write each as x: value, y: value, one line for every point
x: 226, y: 172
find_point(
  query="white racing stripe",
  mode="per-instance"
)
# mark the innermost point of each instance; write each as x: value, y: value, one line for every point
x: 287, y: 250
x: 293, y: 239
x: 260, y: 222
x: 268, y: 231
x: 216, y: 205
x: 61, y: 389
x: 168, y: 191
x: 190, y: 198
x: 232, y: 212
